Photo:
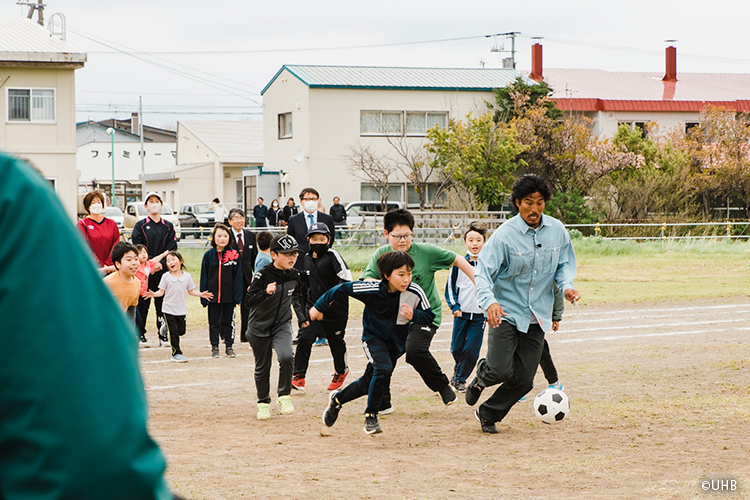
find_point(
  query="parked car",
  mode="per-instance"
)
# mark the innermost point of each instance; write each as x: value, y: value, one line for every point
x: 136, y: 211
x: 356, y: 210
x: 116, y: 215
x: 195, y: 215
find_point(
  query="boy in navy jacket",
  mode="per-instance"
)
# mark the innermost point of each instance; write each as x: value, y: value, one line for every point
x: 391, y: 305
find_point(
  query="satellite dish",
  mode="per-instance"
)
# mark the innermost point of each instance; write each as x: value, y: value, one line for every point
x: 299, y: 155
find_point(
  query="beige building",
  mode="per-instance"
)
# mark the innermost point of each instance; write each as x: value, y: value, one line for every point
x: 314, y: 115
x: 213, y: 159
x: 37, y: 108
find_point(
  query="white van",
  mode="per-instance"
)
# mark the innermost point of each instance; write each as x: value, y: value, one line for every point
x: 136, y: 211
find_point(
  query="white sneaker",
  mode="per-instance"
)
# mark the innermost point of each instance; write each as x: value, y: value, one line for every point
x: 179, y: 358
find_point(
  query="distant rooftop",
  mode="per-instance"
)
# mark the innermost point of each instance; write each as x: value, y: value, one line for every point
x: 24, y: 41
x: 232, y: 141
x: 391, y: 78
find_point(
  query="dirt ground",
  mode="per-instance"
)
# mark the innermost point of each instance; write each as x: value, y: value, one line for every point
x: 660, y: 402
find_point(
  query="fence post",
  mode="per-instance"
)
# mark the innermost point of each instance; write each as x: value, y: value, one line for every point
x: 663, y: 231
x: 729, y: 229
x: 597, y: 230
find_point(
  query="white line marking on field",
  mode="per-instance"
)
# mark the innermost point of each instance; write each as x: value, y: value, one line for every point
x: 619, y: 337
x: 658, y: 325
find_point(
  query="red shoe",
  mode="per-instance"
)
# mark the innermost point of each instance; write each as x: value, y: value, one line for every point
x: 338, y: 380
x: 298, y: 383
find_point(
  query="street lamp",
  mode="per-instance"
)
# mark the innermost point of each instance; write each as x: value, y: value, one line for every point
x: 111, y: 133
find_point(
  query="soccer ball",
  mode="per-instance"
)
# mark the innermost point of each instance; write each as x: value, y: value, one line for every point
x: 551, y: 406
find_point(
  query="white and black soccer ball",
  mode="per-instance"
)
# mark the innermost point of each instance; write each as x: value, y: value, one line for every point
x: 551, y: 406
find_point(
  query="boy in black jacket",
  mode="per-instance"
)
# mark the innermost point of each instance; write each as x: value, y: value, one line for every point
x: 270, y: 322
x: 325, y: 269
x: 391, y: 305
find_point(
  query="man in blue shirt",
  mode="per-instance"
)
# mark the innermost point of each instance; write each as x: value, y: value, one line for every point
x: 516, y: 273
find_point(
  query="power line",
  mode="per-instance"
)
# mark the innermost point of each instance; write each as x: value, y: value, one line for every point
x: 297, y: 49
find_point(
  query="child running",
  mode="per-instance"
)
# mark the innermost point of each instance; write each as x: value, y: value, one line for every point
x: 123, y: 283
x: 173, y: 286
x: 468, y: 317
x: 325, y: 269
x: 146, y: 268
x: 274, y: 289
x: 221, y: 274
x: 391, y: 306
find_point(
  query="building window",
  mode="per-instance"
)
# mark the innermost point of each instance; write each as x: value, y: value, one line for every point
x: 285, y: 126
x: 380, y: 123
x: 31, y: 105
x: 690, y: 125
x: 418, y: 122
x: 368, y: 192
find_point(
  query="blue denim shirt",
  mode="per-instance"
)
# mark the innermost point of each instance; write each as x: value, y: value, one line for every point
x: 518, y: 266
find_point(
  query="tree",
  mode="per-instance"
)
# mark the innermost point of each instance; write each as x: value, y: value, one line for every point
x: 372, y: 167
x: 419, y: 166
x: 479, y: 154
x: 511, y: 100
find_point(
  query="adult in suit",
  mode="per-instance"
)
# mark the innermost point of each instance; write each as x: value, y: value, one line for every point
x: 245, y: 241
x: 300, y: 223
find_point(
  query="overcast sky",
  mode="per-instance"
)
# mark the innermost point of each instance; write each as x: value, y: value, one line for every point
x: 222, y: 54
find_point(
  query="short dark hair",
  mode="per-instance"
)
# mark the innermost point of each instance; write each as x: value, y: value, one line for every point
x: 398, y: 217
x: 264, y: 240
x: 120, y: 249
x: 221, y: 226
x: 477, y: 227
x: 529, y: 184
x: 89, y: 199
x: 141, y: 248
x: 261, y: 198
x: 236, y: 211
x: 309, y: 190
x: 393, y: 260
x: 216, y: 200
x: 178, y: 255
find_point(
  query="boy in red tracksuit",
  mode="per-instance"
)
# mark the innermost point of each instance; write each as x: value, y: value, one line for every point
x: 221, y: 274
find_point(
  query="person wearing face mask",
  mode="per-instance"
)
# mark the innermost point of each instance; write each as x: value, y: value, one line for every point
x: 158, y: 236
x: 324, y: 269
x: 100, y: 233
x: 274, y: 214
x: 299, y: 224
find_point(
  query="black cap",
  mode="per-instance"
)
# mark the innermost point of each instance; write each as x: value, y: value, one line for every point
x: 318, y: 228
x: 284, y: 243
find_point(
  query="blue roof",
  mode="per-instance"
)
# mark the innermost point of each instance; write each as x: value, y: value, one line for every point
x: 389, y: 78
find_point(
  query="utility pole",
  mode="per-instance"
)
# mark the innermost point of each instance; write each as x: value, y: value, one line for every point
x: 495, y: 48
x: 143, y: 155
x: 38, y: 7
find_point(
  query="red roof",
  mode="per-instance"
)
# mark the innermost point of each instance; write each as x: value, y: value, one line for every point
x: 599, y: 90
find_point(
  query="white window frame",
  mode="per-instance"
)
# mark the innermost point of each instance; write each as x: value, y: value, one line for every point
x: 281, y: 125
x: 425, y: 113
x: 31, y: 119
x: 381, y: 132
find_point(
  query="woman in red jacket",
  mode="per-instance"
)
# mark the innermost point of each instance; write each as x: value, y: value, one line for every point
x: 100, y: 233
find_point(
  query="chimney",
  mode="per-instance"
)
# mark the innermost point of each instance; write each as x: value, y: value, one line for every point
x: 134, y: 124
x: 670, y: 73
x: 536, y: 62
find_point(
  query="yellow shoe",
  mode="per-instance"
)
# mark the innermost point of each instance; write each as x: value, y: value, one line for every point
x: 264, y: 411
x: 286, y: 405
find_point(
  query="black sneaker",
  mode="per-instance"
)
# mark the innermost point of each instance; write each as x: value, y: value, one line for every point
x: 230, y: 352
x: 449, y: 397
x: 371, y: 424
x: 487, y: 426
x: 460, y: 387
x: 332, y: 410
x: 215, y: 352
x: 143, y: 343
x: 473, y: 391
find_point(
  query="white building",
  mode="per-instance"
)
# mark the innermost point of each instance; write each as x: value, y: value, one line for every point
x: 213, y: 160
x: 95, y: 165
x: 37, y: 107
x: 313, y: 115
x: 670, y: 99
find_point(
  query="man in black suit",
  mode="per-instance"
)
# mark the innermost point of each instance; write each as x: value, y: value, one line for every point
x: 245, y: 240
x: 299, y: 224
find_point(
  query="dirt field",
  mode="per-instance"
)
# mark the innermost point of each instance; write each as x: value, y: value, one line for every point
x: 660, y: 397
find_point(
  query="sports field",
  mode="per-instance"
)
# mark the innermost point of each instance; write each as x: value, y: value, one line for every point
x: 659, y: 389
